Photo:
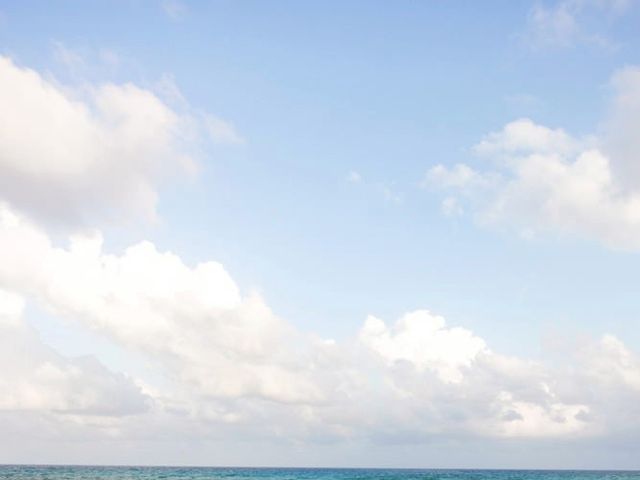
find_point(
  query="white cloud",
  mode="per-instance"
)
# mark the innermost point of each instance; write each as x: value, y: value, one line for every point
x: 523, y: 136
x: 451, y: 380
x: 619, y: 130
x: 422, y: 339
x: 11, y: 308
x: 460, y: 176
x: 70, y: 158
x: 193, y: 320
x: 76, y: 157
x: 544, y: 180
x: 525, y: 419
x: 35, y: 378
x: 612, y: 362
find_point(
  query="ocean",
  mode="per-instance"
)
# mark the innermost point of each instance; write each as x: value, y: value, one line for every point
x: 41, y: 472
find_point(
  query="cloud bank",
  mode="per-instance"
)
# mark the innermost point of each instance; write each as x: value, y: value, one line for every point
x: 228, y: 359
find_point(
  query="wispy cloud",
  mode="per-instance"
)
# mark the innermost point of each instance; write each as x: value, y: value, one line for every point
x: 222, y: 131
x: 174, y: 9
x: 385, y: 190
x: 82, y: 63
x: 354, y: 177
x: 568, y: 23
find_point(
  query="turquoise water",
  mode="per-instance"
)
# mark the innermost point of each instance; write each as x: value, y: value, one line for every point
x: 187, y: 473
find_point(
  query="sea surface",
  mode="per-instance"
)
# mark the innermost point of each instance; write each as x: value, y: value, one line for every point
x: 33, y: 472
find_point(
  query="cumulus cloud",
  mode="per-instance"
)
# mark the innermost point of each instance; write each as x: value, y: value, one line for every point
x: 524, y: 136
x: 452, y: 382
x: 540, y: 179
x: 72, y: 157
x: 422, y: 339
x: 193, y: 320
x: 80, y: 156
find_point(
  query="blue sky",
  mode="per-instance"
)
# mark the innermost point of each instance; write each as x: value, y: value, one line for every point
x: 320, y: 192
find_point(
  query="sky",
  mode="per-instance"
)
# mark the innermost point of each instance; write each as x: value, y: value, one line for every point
x: 363, y: 233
